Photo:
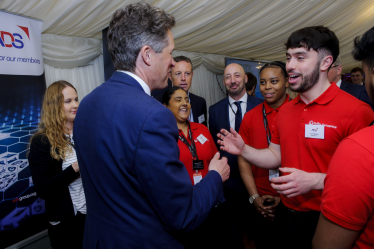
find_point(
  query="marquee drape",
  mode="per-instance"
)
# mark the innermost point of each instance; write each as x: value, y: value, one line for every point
x: 251, y: 29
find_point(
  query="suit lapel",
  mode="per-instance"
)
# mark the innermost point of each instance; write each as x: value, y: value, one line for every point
x: 193, y: 107
x: 225, y: 113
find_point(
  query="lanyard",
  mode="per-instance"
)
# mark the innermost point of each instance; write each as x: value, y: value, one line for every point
x: 231, y: 107
x: 266, y: 124
x: 191, y: 146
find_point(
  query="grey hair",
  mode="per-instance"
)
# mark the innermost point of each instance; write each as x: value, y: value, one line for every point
x: 133, y: 27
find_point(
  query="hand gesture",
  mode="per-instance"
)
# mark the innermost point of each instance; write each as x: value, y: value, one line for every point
x: 221, y: 166
x: 231, y: 142
x: 298, y: 182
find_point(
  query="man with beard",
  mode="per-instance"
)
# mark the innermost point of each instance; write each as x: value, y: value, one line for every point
x: 309, y: 129
x: 223, y: 115
x: 349, y: 222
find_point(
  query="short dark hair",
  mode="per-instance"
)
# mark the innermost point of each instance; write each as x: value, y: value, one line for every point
x: 167, y: 94
x: 133, y: 27
x: 320, y: 38
x: 364, y: 48
x: 275, y: 64
x: 183, y: 58
x: 357, y: 69
x: 252, y: 81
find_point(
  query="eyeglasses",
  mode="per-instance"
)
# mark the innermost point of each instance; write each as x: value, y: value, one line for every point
x: 335, y: 66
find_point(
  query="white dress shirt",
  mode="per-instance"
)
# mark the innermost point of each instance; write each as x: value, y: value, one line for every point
x: 243, y: 105
x: 145, y: 87
x: 339, y: 83
x: 191, y: 115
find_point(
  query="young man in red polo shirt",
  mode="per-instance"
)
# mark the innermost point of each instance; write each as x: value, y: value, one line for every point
x: 348, y: 198
x: 309, y: 129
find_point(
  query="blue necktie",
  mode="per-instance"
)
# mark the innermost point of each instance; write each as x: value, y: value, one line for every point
x: 238, y: 116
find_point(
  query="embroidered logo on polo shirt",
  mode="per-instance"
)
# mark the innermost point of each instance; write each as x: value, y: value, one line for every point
x: 311, y: 122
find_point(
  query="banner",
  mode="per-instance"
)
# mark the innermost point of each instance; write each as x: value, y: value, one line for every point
x: 22, y: 85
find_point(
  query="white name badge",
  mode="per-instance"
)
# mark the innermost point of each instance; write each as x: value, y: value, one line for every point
x: 197, y: 177
x: 315, y: 131
x: 202, y: 139
x: 201, y: 119
x: 273, y: 173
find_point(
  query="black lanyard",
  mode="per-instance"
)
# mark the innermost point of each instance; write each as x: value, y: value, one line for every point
x: 266, y: 124
x: 191, y: 146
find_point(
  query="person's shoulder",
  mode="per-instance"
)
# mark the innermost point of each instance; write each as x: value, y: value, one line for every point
x: 347, y: 100
x: 40, y: 138
x: 196, y: 97
x: 362, y: 137
x: 253, y: 112
x: 198, y: 126
x: 219, y: 104
x: 255, y: 100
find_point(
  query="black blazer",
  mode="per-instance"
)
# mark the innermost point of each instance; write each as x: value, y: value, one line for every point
x: 358, y: 91
x: 50, y: 181
x: 219, y: 119
x: 198, y: 106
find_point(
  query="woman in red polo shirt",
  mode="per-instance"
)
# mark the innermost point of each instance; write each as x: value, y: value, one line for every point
x: 196, y: 145
x: 256, y: 130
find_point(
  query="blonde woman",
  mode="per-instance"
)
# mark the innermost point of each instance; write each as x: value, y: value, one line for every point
x: 54, y: 167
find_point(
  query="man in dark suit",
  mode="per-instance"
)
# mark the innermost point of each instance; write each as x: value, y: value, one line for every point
x: 223, y: 115
x: 359, y: 91
x: 181, y: 75
x: 357, y: 76
x: 139, y: 195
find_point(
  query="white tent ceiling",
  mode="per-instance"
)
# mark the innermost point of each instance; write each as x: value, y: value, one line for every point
x: 254, y: 29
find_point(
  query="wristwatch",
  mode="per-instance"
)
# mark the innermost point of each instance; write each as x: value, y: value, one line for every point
x: 252, y: 198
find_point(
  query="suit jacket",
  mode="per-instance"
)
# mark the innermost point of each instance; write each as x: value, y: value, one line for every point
x: 198, y: 106
x: 359, y: 91
x: 219, y: 119
x: 138, y: 193
x: 50, y: 181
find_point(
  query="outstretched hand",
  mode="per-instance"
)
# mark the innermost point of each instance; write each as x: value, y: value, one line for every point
x: 231, y: 142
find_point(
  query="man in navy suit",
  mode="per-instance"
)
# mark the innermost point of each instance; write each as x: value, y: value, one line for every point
x: 181, y: 75
x: 139, y: 195
x: 223, y: 115
x: 359, y: 91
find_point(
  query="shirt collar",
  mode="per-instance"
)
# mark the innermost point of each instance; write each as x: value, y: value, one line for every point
x: 269, y: 109
x: 324, y: 98
x: 145, y: 87
x: 339, y: 83
x: 242, y: 99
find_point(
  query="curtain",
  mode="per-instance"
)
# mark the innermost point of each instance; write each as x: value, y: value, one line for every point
x: 84, y: 79
x: 250, y: 29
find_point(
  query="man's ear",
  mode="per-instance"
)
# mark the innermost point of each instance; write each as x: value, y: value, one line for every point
x: 326, y: 62
x: 146, y: 54
x: 164, y: 104
x: 339, y: 69
x: 245, y: 79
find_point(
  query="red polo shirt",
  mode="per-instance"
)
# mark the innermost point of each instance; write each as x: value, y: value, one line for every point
x: 253, y: 132
x: 339, y: 113
x: 204, y: 151
x: 348, y: 196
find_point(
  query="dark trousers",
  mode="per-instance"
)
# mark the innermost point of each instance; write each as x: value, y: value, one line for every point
x: 266, y: 233
x: 224, y: 226
x: 68, y: 233
x: 299, y: 228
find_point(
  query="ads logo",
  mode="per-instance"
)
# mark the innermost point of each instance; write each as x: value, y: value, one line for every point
x: 9, y: 40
